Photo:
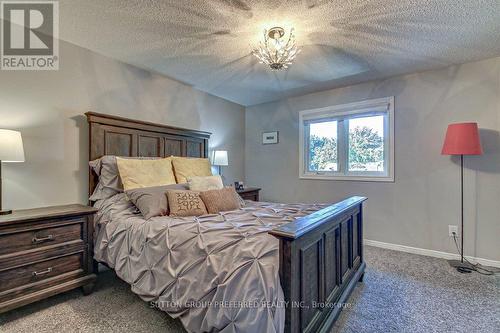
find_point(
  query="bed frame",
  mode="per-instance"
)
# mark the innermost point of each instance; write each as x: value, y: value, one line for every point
x: 321, y: 255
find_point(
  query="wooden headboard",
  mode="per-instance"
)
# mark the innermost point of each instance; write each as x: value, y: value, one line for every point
x: 111, y: 135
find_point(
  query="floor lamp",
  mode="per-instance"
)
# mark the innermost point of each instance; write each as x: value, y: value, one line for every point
x: 462, y: 139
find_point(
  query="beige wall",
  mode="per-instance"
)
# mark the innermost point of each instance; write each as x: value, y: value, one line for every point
x: 417, y: 208
x: 48, y: 108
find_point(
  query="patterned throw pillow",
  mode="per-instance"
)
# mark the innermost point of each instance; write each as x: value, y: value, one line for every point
x: 221, y: 200
x: 185, y: 203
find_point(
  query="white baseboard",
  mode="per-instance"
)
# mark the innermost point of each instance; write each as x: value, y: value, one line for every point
x: 430, y: 253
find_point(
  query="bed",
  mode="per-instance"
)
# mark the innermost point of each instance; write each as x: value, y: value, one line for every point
x: 267, y: 267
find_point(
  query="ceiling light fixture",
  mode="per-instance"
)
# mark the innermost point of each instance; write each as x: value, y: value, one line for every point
x: 277, y: 51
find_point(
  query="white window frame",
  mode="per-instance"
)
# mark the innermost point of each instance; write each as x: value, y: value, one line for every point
x: 383, y: 105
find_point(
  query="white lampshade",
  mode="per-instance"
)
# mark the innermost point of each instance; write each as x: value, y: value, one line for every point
x: 11, y: 146
x: 220, y: 158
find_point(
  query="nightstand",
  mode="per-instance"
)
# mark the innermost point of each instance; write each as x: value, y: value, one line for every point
x: 45, y: 251
x: 249, y: 193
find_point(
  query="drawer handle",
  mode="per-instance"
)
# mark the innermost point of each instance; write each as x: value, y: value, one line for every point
x: 47, y: 271
x: 37, y: 240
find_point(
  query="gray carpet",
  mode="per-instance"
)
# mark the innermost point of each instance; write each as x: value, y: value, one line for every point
x: 401, y: 293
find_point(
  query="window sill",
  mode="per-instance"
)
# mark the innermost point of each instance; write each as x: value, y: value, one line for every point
x: 350, y: 178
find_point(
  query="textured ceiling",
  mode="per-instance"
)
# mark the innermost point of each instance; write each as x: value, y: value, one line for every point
x: 207, y: 43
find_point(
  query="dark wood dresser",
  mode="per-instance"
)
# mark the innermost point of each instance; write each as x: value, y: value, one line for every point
x: 249, y: 193
x: 43, y: 252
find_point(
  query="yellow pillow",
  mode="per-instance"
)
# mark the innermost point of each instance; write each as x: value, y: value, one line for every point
x: 136, y: 173
x: 187, y: 167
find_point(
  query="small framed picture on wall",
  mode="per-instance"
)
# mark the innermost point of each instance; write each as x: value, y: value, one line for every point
x: 269, y: 138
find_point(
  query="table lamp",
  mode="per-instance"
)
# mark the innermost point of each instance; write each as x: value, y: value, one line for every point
x: 220, y: 159
x: 462, y: 139
x: 11, y: 150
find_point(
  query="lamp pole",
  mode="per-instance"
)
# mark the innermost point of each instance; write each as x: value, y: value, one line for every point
x: 462, y: 207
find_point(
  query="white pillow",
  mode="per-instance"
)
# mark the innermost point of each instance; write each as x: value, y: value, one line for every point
x: 205, y: 183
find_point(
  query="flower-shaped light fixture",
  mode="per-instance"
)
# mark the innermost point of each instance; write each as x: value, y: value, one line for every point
x: 277, y: 51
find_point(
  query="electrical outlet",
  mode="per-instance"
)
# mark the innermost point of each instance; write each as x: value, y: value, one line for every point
x: 452, y: 229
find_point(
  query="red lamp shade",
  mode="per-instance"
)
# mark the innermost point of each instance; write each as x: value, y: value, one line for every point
x: 462, y: 139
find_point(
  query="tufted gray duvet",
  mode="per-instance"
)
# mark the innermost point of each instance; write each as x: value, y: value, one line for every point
x: 217, y: 273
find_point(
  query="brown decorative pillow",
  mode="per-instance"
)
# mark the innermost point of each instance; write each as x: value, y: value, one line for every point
x: 185, y: 203
x: 221, y: 200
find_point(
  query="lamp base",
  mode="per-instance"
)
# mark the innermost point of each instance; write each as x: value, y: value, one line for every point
x: 6, y: 212
x: 462, y: 267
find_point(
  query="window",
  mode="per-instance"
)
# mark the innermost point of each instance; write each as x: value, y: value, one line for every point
x: 352, y: 141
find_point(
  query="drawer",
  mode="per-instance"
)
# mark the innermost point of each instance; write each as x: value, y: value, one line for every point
x: 249, y: 196
x: 33, y: 239
x: 20, y: 276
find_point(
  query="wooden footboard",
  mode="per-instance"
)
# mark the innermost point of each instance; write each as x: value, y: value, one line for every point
x: 321, y: 260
